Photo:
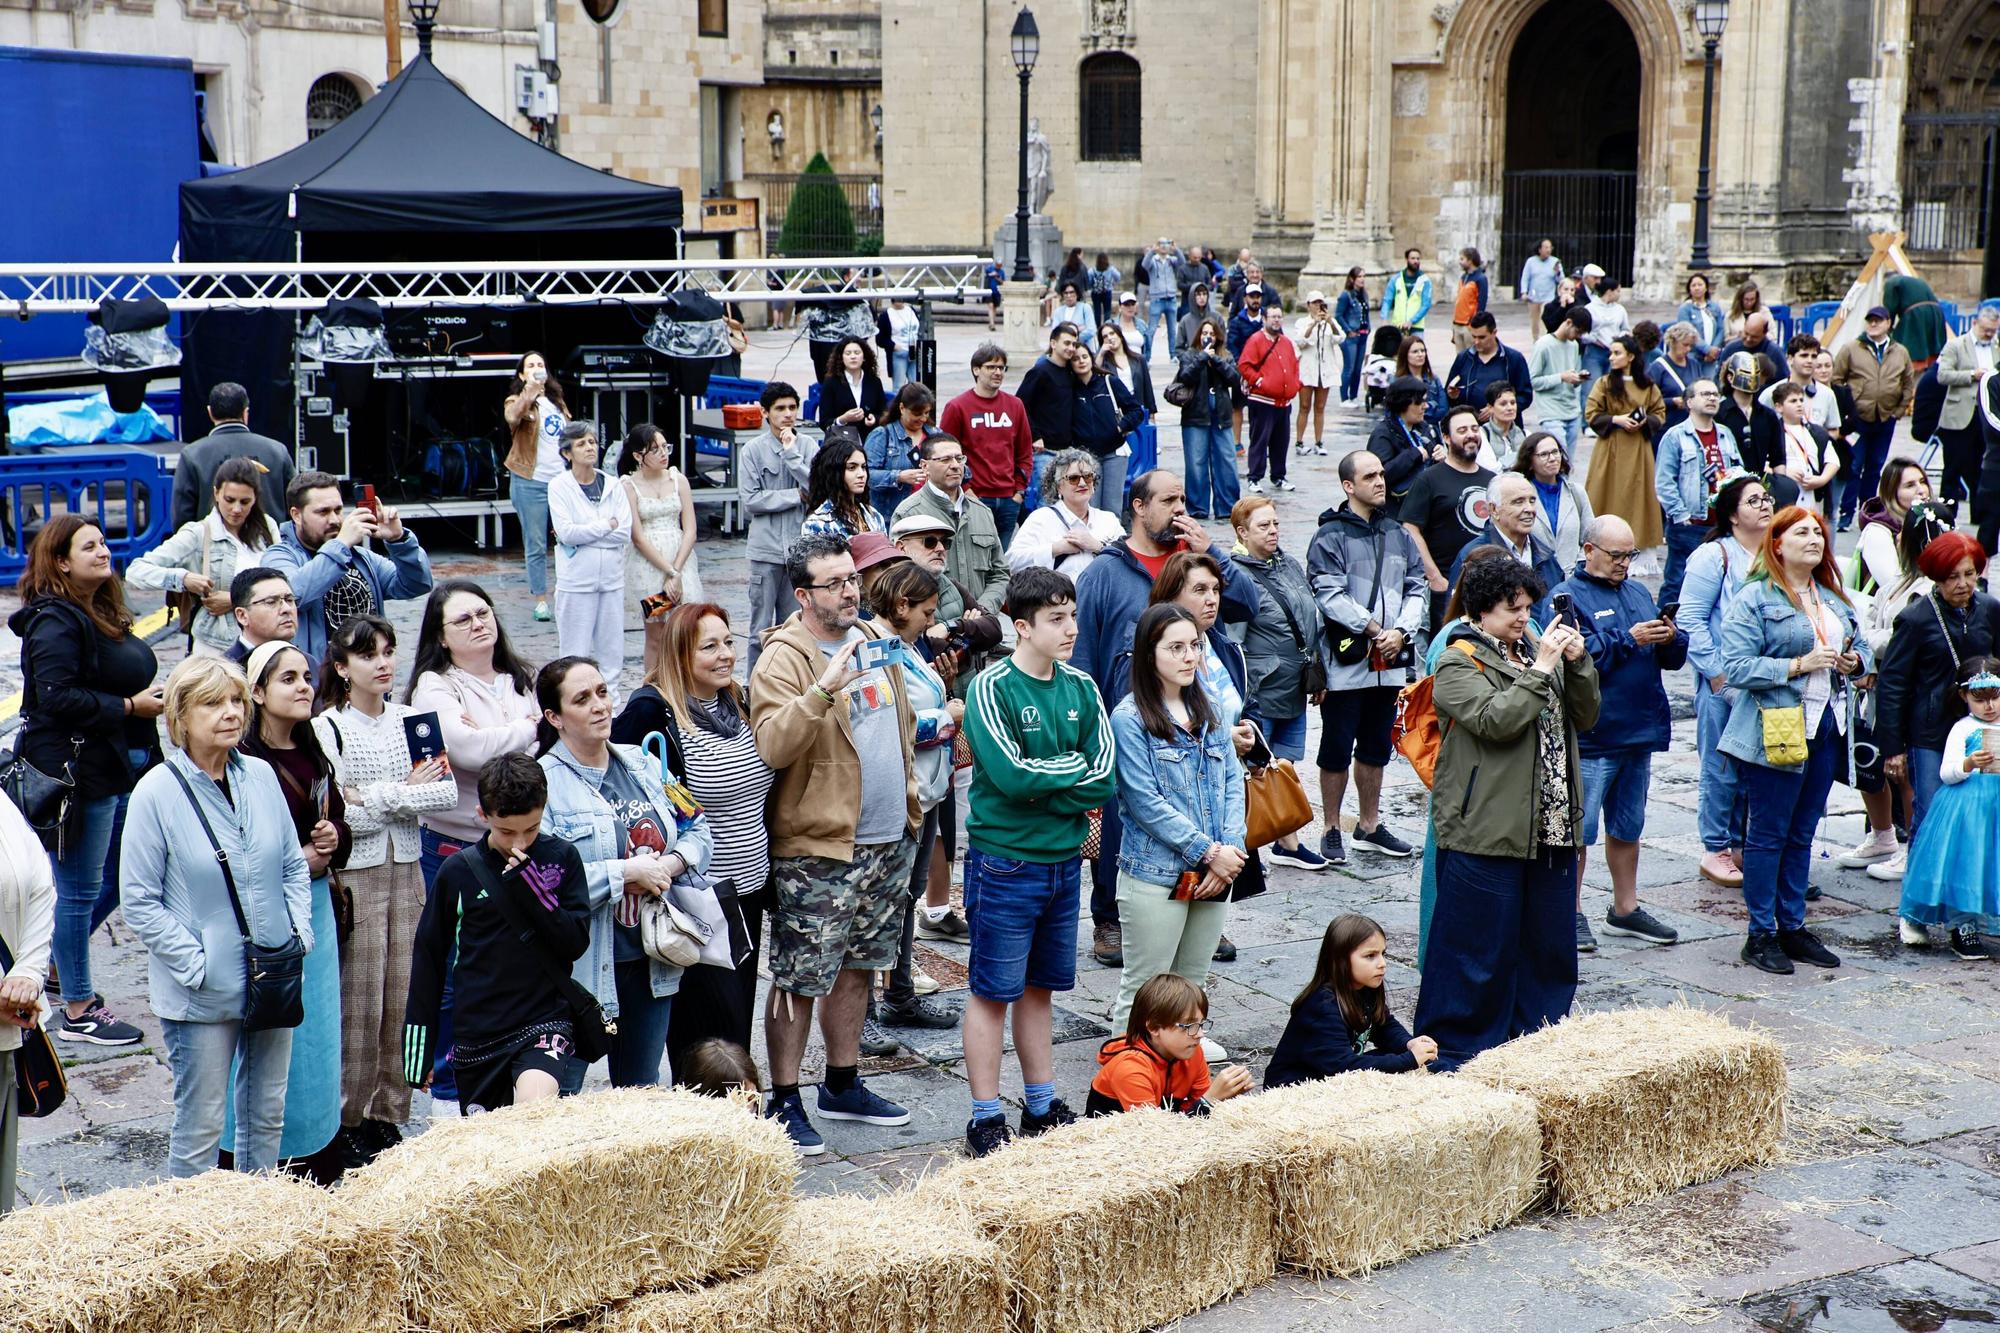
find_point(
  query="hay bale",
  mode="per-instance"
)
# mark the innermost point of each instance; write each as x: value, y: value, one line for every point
x: 218, y: 1251
x: 1370, y: 1168
x: 1077, y: 1213
x: 1638, y: 1103
x: 890, y: 1265
x: 536, y: 1213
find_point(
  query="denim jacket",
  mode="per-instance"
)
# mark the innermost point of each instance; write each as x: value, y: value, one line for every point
x: 1680, y: 472
x: 577, y: 814
x: 1174, y: 797
x: 1761, y: 633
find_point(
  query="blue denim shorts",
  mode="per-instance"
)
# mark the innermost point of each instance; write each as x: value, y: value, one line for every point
x: 1287, y: 736
x: 1615, y: 786
x: 1023, y: 920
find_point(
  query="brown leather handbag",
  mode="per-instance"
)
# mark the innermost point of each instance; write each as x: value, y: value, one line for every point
x: 1275, y: 801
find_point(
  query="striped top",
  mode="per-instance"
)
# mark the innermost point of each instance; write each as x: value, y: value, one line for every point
x: 733, y: 784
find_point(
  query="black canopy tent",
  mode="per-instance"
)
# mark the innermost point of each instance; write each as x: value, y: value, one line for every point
x: 423, y: 173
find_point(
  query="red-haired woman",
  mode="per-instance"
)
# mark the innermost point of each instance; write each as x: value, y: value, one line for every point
x: 1793, y: 649
x: 1918, y: 693
x: 88, y: 706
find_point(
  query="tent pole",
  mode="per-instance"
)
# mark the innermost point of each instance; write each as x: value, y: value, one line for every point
x: 392, y: 35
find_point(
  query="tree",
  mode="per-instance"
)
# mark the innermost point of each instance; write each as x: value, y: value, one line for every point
x: 819, y: 220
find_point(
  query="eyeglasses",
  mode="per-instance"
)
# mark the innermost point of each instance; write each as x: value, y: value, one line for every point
x: 935, y: 542
x: 945, y: 458
x: 1081, y: 479
x: 1194, y: 1029
x: 281, y: 599
x: 483, y: 616
x: 998, y: 367
x: 1763, y: 501
x: 1181, y: 649
x: 1616, y: 557
x: 837, y: 585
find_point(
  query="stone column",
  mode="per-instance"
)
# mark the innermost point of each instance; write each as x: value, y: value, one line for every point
x: 1351, y: 191
x: 1754, y: 63
x: 1021, y: 321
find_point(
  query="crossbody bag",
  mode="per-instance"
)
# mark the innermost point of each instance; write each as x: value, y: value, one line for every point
x: 40, y: 1086
x: 1353, y: 647
x: 273, y: 979
x: 1315, y: 673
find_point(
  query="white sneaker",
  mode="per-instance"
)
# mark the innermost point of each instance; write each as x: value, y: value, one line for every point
x: 1912, y: 932
x: 923, y: 983
x: 1255, y: 487
x: 1286, y: 486
x: 1890, y: 870
x: 1212, y: 1051
x: 1880, y: 845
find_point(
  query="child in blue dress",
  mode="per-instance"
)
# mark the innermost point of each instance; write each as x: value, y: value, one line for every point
x: 1953, y: 875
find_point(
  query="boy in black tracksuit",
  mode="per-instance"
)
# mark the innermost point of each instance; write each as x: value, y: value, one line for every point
x: 512, y: 1024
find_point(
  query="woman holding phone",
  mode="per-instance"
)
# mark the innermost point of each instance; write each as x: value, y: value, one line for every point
x: 535, y: 414
x: 365, y: 737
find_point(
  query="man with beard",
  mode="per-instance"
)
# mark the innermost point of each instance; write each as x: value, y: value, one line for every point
x: 1446, y: 506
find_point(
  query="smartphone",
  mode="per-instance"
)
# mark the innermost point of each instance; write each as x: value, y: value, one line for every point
x: 874, y: 654
x: 539, y: 374
x: 1668, y: 610
x: 1564, y: 608
x: 368, y: 501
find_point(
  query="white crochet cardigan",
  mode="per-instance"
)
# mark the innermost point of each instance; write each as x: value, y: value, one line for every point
x: 371, y: 760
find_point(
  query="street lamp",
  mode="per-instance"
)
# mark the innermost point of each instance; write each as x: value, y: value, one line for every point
x: 1710, y: 17
x: 1026, y: 43
x: 875, y: 117
x: 423, y: 16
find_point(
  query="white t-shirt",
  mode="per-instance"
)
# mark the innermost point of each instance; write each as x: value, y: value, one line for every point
x: 550, y: 420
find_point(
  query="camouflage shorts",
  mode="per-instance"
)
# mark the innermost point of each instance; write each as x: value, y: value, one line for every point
x: 834, y: 915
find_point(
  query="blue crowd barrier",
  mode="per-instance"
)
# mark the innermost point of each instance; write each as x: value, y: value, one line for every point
x: 1783, y: 315
x: 1817, y: 314
x: 126, y: 492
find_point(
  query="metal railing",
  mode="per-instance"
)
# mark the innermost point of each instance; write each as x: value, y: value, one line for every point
x: 1949, y: 179
x: 864, y: 199
x: 1592, y: 216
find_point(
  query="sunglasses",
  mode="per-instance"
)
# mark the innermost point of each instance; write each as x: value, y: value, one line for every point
x: 934, y: 542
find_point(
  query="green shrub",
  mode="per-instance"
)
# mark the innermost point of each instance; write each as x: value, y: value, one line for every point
x: 819, y: 220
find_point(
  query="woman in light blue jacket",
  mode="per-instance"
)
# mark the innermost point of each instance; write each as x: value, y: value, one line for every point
x: 177, y: 902
x: 1703, y: 312
x: 1180, y: 802
x: 612, y: 803
x: 1793, y: 651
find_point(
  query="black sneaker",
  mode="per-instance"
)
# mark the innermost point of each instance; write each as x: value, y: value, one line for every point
x: 1585, y: 941
x: 1058, y: 1116
x: 1965, y: 942
x: 950, y: 927
x: 1300, y: 857
x: 1225, y: 950
x: 381, y: 1134
x: 1814, y: 893
x: 920, y: 1012
x: 874, y: 1041
x: 1379, y: 839
x: 96, y: 1024
x: 1331, y: 847
x: 1802, y: 946
x: 1762, y: 952
x: 985, y: 1136
x: 1639, y: 924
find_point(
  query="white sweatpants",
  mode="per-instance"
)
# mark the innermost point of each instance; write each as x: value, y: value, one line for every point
x: 592, y: 624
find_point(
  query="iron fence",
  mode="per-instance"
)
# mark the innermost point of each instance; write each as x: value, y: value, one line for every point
x: 1592, y: 216
x: 864, y: 197
x: 1948, y: 179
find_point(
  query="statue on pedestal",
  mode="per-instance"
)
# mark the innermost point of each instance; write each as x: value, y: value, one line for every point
x: 1040, y: 186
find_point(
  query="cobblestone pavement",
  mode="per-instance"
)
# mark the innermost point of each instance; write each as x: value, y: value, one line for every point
x: 1885, y: 1213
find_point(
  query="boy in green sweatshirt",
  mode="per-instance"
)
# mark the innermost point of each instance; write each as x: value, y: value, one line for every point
x: 1041, y: 758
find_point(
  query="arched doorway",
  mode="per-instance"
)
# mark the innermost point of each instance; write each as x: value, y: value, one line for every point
x: 1572, y: 154
x: 1951, y: 139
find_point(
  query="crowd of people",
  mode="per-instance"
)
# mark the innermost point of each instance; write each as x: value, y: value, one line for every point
x: 971, y: 631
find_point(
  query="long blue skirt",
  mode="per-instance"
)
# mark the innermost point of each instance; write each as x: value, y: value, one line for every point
x: 312, y: 1087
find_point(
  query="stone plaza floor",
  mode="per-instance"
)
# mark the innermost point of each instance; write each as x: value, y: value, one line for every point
x: 1883, y: 1214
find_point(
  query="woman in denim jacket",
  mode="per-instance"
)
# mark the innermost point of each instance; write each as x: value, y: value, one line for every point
x: 1180, y: 802
x: 1789, y: 639
x: 611, y: 802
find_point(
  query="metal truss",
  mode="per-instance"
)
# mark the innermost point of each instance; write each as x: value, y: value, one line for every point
x: 47, y: 289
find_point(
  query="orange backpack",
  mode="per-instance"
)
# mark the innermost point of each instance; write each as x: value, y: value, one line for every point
x: 1416, y: 730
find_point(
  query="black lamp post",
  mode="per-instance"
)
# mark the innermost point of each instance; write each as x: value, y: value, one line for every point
x: 1026, y: 40
x: 1710, y: 16
x: 423, y: 17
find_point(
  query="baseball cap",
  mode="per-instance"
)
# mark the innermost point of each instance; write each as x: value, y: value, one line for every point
x: 913, y: 524
x: 1315, y: 296
x: 872, y: 548
x: 1591, y: 271
x: 1877, y: 312
x: 1127, y: 298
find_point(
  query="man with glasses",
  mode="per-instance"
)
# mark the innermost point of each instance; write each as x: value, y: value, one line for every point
x: 992, y: 425
x: 976, y: 558
x: 1688, y: 467
x: 1631, y: 644
x: 844, y: 822
x: 1511, y: 507
x: 265, y: 610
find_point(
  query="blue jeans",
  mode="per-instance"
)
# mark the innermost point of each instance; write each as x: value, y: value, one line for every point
x: 1871, y: 451
x: 434, y: 849
x: 1353, y: 352
x: 1615, y: 787
x: 1006, y: 517
x: 1720, y: 808
x: 1104, y: 870
x: 1785, y: 810
x: 1500, y: 959
x: 85, y: 894
x: 636, y: 1051
x: 1596, y: 362
x: 199, y: 1056
x: 1286, y: 735
x: 1209, y: 453
x: 1023, y: 920
x: 1925, y: 779
x: 902, y: 369
x: 531, y: 506
x: 1682, y: 541
x: 1566, y: 431
x: 1158, y: 309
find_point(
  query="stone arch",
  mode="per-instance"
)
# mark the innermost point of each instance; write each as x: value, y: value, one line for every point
x: 331, y: 99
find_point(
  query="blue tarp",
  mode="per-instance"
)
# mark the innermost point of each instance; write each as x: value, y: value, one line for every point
x: 82, y: 421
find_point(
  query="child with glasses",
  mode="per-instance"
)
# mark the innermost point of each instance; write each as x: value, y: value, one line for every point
x: 1158, y: 1062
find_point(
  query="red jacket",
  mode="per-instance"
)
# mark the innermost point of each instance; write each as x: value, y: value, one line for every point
x: 1270, y: 368
x: 999, y: 444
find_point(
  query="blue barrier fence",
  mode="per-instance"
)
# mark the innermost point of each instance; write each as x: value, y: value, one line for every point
x: 126, y: 492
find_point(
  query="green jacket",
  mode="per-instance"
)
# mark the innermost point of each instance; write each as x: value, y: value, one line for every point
x: 976, y: 558
x: 1485, y: 799
x: 1042, y: 757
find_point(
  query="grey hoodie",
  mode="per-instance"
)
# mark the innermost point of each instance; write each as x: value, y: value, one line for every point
x: 1342, y: 562
x: 774, y: 487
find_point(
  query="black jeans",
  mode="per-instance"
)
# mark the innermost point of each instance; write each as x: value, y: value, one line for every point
x: 901, y: 988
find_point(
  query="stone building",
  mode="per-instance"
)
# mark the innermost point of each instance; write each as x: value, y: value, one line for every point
x: 1327, y: 133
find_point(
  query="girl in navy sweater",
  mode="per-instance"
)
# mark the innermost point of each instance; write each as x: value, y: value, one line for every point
x: 1344, y: 1012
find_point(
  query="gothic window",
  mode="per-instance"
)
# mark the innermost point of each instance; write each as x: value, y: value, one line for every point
x: 331, y: 99
x: 1110, y: 111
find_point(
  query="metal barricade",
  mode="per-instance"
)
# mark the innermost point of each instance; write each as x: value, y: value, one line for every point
x: 126, y: 492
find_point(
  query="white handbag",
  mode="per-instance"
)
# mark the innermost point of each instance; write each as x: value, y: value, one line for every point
x: 668, y: 934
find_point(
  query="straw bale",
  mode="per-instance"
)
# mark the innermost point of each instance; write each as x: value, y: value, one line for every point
x: 1370, y: 1168
x: 219, y: 1251
x: 1079, y: 1211
x: 887, y: 1265
x: 1638, y: 1103
x: 539, y: 1212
